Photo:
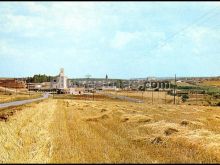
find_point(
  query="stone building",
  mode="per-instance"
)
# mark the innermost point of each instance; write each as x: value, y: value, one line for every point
x: 12, y: 83
x: 59, y: 81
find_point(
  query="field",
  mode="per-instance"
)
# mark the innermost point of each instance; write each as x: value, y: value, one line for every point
x: 8, y: 97
x: 149, y: 97
x: 161, y: 97
x: 71, y: 130
x: 215, y: 83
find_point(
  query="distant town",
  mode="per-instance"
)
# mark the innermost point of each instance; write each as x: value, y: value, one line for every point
x: 62, y: 84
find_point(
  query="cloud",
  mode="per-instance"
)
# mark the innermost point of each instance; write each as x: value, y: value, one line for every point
x: 121, y: 39
x: 35, y: 7
x: 137, y: 39
x: 65, y: 17
x: 198, y: 34
x: 7, y: 50
x: 3, y: 47
x: 93, y: 31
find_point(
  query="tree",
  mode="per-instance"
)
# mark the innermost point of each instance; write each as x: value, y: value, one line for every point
x: 39, y: 79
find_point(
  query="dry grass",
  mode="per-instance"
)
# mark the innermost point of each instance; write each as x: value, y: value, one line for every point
x: 182, y: 83
x: 211, y: 83
x: 86, y: 131
x: 161, y: 97
x: 8, y: 97
x: 158, y: 97
x: 24, y: 136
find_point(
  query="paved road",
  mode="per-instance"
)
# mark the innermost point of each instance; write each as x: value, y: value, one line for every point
x: 121, y: 97
x: 16, y: 103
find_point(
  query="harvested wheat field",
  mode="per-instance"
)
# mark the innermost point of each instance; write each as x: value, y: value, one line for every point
x: 86, y: 131
x: 160, y: 97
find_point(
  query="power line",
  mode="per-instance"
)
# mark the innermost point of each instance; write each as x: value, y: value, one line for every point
x: 174, y: 92
x: 184, y: 28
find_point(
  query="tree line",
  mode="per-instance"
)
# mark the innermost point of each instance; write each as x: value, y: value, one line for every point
x: 38, y: 78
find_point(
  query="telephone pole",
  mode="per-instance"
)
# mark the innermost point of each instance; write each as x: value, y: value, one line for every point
x: 158, y: 96
x: 16, y: 85
x: 152, y: 96
x: 87, y: 85
x: 196, y: 95
x: 165, y: 97
x: 29, y: 89
x: 5, y: 87
x: 174, y: 98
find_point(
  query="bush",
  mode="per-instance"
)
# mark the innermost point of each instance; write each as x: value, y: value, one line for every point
x: 185, y: 97
x: 141, y: 88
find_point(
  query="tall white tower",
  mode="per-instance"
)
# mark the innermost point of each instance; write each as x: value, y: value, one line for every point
x: 62, y: 79
x: 61, y: 72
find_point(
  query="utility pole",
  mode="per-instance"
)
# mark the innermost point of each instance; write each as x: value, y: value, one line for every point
x: 29, y: 90
x: 174, y: 98
x: 158, y: 96
x: 165, y: 97
x: 16, y: 87
x: 196, y: 96
x: 87, y: 84
x: 56, y: 89
x: 152, y: 96
x: 94, y: 90
x: 142, y: 95
x: 5, y: 87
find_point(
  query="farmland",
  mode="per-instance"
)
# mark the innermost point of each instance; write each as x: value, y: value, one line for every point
x: 71, y: 130
x: 161, y: 97
x: 9, y: 97
x: 215, y: 83
x: 147, y: 96
x: 109, y: 83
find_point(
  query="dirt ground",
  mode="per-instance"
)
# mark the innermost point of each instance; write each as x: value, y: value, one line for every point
x: 87, y: 131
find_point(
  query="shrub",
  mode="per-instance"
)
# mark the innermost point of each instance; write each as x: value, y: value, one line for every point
x: 184, y: 97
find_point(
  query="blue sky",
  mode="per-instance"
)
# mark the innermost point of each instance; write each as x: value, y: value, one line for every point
x: 121, y: 39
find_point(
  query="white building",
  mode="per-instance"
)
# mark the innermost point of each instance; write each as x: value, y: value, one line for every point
x: 60, y: 81
x: 76, y: 91
x: 109, y: 88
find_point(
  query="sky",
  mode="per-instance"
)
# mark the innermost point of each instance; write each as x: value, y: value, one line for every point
x: 120, y: 39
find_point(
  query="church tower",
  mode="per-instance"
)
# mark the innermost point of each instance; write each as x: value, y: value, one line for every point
x: 61, y: 72
x: 62, y: 79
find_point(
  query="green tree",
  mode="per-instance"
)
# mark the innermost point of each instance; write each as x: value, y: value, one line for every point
x: 39, y: 79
